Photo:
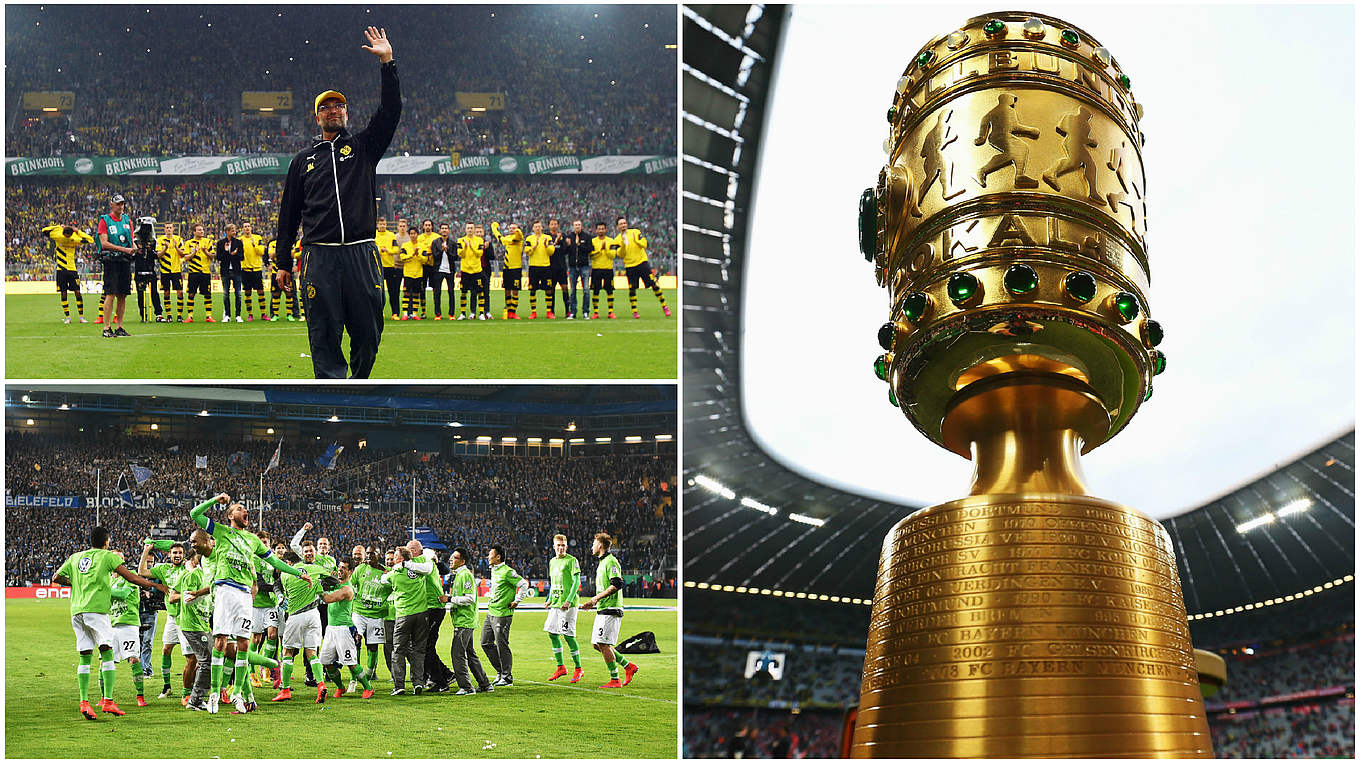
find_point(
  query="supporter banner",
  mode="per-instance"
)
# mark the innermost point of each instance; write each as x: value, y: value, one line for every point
x: 72, y: 502
x: 37, y: 592
x: 277, y: 164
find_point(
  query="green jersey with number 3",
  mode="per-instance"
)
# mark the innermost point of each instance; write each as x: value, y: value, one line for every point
x: 609, y: 568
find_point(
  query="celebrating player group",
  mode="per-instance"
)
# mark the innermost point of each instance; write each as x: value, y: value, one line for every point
x: 242, y: 610
x: 413, y: 264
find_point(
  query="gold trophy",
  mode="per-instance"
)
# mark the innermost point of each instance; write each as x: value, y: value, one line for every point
x: 1027, y: 619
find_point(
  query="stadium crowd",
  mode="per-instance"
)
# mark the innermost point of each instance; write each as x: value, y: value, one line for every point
x: 746, y: 733
x: 471, y: 501
x: 1301, y: 667
x: 31, y: 204
x: 813, y: 677
x: 1313, y: 730
x: 575, y: 79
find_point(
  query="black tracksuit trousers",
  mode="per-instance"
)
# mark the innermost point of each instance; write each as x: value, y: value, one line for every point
x: 343, y: 288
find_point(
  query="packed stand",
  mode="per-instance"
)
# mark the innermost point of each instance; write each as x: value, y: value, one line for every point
x: 744, y: 733
x: 1301, y: 667
x: 818, y: 678
x: 167, y: 81
x: 1314, y: 731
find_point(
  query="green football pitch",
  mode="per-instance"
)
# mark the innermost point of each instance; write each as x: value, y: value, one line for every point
x: 533, y: 718
x: 38, y: 345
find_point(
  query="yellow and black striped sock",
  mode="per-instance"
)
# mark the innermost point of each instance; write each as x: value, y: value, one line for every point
x: 632, y: 298
x: 550, y: 300
x: 65, y: 306
x: 80, y: 303
x: 101, y: 307
x: 302, y: 305
x: 657, y: 290
x: 193, y: 305
x: 274, y: 303
x: 514, y: 301
x: 611, y: 302
x: 259, y: 298
x: 594, y: 303
x: 462, y: 303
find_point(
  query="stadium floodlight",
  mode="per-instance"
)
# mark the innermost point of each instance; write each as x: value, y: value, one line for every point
x: 576, y: 440
x: 632, y: 438
x: 715, y: 486
x: 203, y: 413
x: 269, y: 431
x: 604, y: 440
x: 533, y: 440
x: 571, y: 427
x: 483, y: 439
x: 28, y: 422
x: 65, y: 407
x: 665, y: 437
x: 1257, y: 522
x: 333, y: 418
x: 1248, y: 650
x: 1298, y: 505
x: 509, y: 439
x: 555, y: 441
x: 807, y: 519
x: 26, y: 399
x: 747, y: 501
x: 455, y: 423
x: 154, y: 426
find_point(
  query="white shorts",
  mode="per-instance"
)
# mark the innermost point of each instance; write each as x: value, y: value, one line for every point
x: 92, y: 631
x: 127, y: 642
x: 371, y: 630
x: 561, y: 621
x: 231, y: 614
x: 170, y: 637
x: 338, y: 647
x: 264, y: 618
x: 606, y: 629
x: 303, y: 631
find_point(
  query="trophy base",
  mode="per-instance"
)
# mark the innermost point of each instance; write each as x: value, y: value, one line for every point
x: 1029, y: 625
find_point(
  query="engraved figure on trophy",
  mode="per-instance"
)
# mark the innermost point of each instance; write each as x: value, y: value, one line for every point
x: 933, y: 144
x: 1116, y: 164
x: 1075, y: 129
x: 997, y: 128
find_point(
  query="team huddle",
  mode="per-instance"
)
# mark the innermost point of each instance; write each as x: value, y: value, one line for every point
x: 242, y: 611
x: 412, y: 264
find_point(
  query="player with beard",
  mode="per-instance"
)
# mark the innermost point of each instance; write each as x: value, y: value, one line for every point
x: 167, y: 573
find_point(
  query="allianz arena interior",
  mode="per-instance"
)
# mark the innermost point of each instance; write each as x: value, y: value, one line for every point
x: 1275, y: 601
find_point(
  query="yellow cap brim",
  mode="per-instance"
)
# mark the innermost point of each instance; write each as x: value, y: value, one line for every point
x: 327, y: 95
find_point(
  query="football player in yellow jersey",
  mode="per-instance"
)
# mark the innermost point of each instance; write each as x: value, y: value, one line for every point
x: 423, y: 242
x: 298, y: 309
x: 604, y: 249
x: 252, y: 270
x: 488, y: 256
x: 539, y: 248
x: 65, y: 239
x: 388, y: 251
x: 636, y: 266
x: 470, y: 272
x: 513, y: 267
x: 413, y: 278
x: 198, y: 253
x: 169, y: 251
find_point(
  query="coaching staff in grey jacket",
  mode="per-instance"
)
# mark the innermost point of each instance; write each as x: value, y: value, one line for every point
x: 331, y: 191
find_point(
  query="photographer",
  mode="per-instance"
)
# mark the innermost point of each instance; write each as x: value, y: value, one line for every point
x: 144, y: 266
x: 230, y: 253
x: 116, y: 251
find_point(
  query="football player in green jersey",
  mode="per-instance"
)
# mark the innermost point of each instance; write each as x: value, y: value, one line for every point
x: 564, y: 590
x: 302, y: 629
x: 371, y: 609
x: 193, y: 592
x: 125, y: 615
x: 167, y: 573
x: 337, y: 644
x: 87, y: 573
x: 609, y: 619
x: 264, y: 629
x: 232, y: 568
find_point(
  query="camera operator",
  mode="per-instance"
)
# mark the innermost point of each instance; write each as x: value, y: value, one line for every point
x: 144, y: 263
x: 230, y: 254
x: 116, y: 251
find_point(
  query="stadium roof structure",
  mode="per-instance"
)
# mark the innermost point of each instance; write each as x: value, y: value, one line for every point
x: 753, y: 525
x: 528, y: 409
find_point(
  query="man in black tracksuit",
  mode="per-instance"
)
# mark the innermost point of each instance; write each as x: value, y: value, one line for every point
x: 576, y: 247
x: 331, y: 190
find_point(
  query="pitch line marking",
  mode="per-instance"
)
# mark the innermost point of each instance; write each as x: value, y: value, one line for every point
x: 215, y: 333
x: 597, y: 691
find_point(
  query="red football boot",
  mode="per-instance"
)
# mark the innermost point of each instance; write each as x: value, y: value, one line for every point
x: 367, y: 693
x: 629, y: 671
x: 320, y: 693
x: 286, y: 694
x: 613, y: 684
x: 577, y: 675
x: 87, y: 711
x: 109, y: 707
x: 561, y: 671
x: 141, y: 700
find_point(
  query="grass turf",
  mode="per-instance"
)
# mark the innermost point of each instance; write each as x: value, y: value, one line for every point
x: 530, y: 719
x: 38, y: 345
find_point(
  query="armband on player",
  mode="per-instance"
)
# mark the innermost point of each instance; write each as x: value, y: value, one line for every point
x: 616, y: 582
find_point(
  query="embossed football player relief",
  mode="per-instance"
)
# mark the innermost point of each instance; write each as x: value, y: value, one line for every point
x: 1078, y: 143
x: 936, y: 164
x: 1000, y: 129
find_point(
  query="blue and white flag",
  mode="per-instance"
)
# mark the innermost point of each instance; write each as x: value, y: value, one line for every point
x: 274, y: 460
x: 141, y: 474
x: 327, y: 460
x: 124, y: 493
x: 201, y: 462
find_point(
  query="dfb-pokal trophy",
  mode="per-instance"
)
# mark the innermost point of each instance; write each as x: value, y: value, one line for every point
x: 1027, y: 618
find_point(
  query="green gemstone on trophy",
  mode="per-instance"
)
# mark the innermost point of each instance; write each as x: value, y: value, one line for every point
x: 914, y: 306
x: 881, y: 368
x: 1124, y: 81
x: 1021, y: 279
x: 1149, y: 393
x: 892, y: 397
x: 892, y: 114
x: 1153, y: 332
x: 1070, y: 37
x: 868, y: 224
x: 1127, y: 305
x: 925, y: 58
x: 886, y: 333
x: 1080, y: 286
x: 961, y: 287
x: 995, y: 26
x: 1158, y: 362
